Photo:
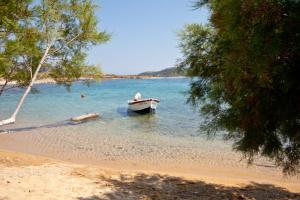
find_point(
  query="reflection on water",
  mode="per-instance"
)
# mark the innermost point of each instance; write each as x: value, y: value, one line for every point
x: 146, y: 122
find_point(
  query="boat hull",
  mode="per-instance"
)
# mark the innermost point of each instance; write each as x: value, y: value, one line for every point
x: 143, y: 106
x: 144, y: 111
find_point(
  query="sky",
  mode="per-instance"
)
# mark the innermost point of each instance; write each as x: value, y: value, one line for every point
x: 143, y: 34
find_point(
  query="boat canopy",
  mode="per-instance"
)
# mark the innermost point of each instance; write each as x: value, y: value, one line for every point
x: 137, y: 96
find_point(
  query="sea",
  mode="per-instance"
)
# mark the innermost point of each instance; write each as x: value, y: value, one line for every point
x: 171, y: 136
x: 54, y: 105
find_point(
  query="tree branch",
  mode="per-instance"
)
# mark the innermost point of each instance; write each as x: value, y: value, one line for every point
x: 3, y: 87
x: 71, y: 40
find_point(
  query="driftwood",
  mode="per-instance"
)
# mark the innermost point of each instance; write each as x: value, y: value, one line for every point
x: 85, y: 117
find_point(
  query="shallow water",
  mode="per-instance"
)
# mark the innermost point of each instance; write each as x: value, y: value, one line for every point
x: 168, y: 141
x: 169, y: 137
x: 53, y: 104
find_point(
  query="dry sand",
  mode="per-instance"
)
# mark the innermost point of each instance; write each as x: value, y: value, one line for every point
x: 24, y: 176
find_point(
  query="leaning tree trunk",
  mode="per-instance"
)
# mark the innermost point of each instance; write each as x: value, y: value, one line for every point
x: 3, y: 87
x: 12, y: 119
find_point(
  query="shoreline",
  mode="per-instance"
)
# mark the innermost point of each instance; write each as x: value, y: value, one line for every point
x: 212, y: 162
x: 26, y: 176
x: 125, y: 157
x: 221, y: 175
x: 105, y: 77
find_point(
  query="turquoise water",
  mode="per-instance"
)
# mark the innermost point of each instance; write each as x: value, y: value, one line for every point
x: 166, y: 141
x: 53, y: 106
x: 170, y: 137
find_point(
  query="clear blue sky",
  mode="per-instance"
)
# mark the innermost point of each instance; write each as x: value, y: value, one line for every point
x: 143, y: 33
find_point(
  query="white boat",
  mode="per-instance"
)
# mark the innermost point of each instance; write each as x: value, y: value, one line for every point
x: 140, y: 105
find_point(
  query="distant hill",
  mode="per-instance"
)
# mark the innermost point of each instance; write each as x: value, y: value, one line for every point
x: 168, y: 72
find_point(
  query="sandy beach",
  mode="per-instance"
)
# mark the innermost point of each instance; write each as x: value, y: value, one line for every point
x: 119, y: 156
x: 24, y: 176
x: 149, y: 100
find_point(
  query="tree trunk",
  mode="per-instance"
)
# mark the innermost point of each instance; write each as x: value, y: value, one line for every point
x: 12, y: 119
x: 3, y: 87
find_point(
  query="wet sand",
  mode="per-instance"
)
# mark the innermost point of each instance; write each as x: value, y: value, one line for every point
x: 24, y: 176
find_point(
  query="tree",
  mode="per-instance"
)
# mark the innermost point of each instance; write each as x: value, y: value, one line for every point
x: 53, y: 34
x: 245, y: 69
x: 16, y: 40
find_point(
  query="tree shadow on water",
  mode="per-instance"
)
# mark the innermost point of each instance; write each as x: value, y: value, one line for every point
x: 162, y: 187
x: 64, y: 123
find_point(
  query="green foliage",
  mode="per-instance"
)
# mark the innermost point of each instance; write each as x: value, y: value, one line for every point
x: 245, y: 68
x: 13, y: 46
x: 27, y: 27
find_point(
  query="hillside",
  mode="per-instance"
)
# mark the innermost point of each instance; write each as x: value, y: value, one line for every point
x: 168, y: 72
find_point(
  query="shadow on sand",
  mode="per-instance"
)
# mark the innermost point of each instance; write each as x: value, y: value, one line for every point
x: 160, y: 187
